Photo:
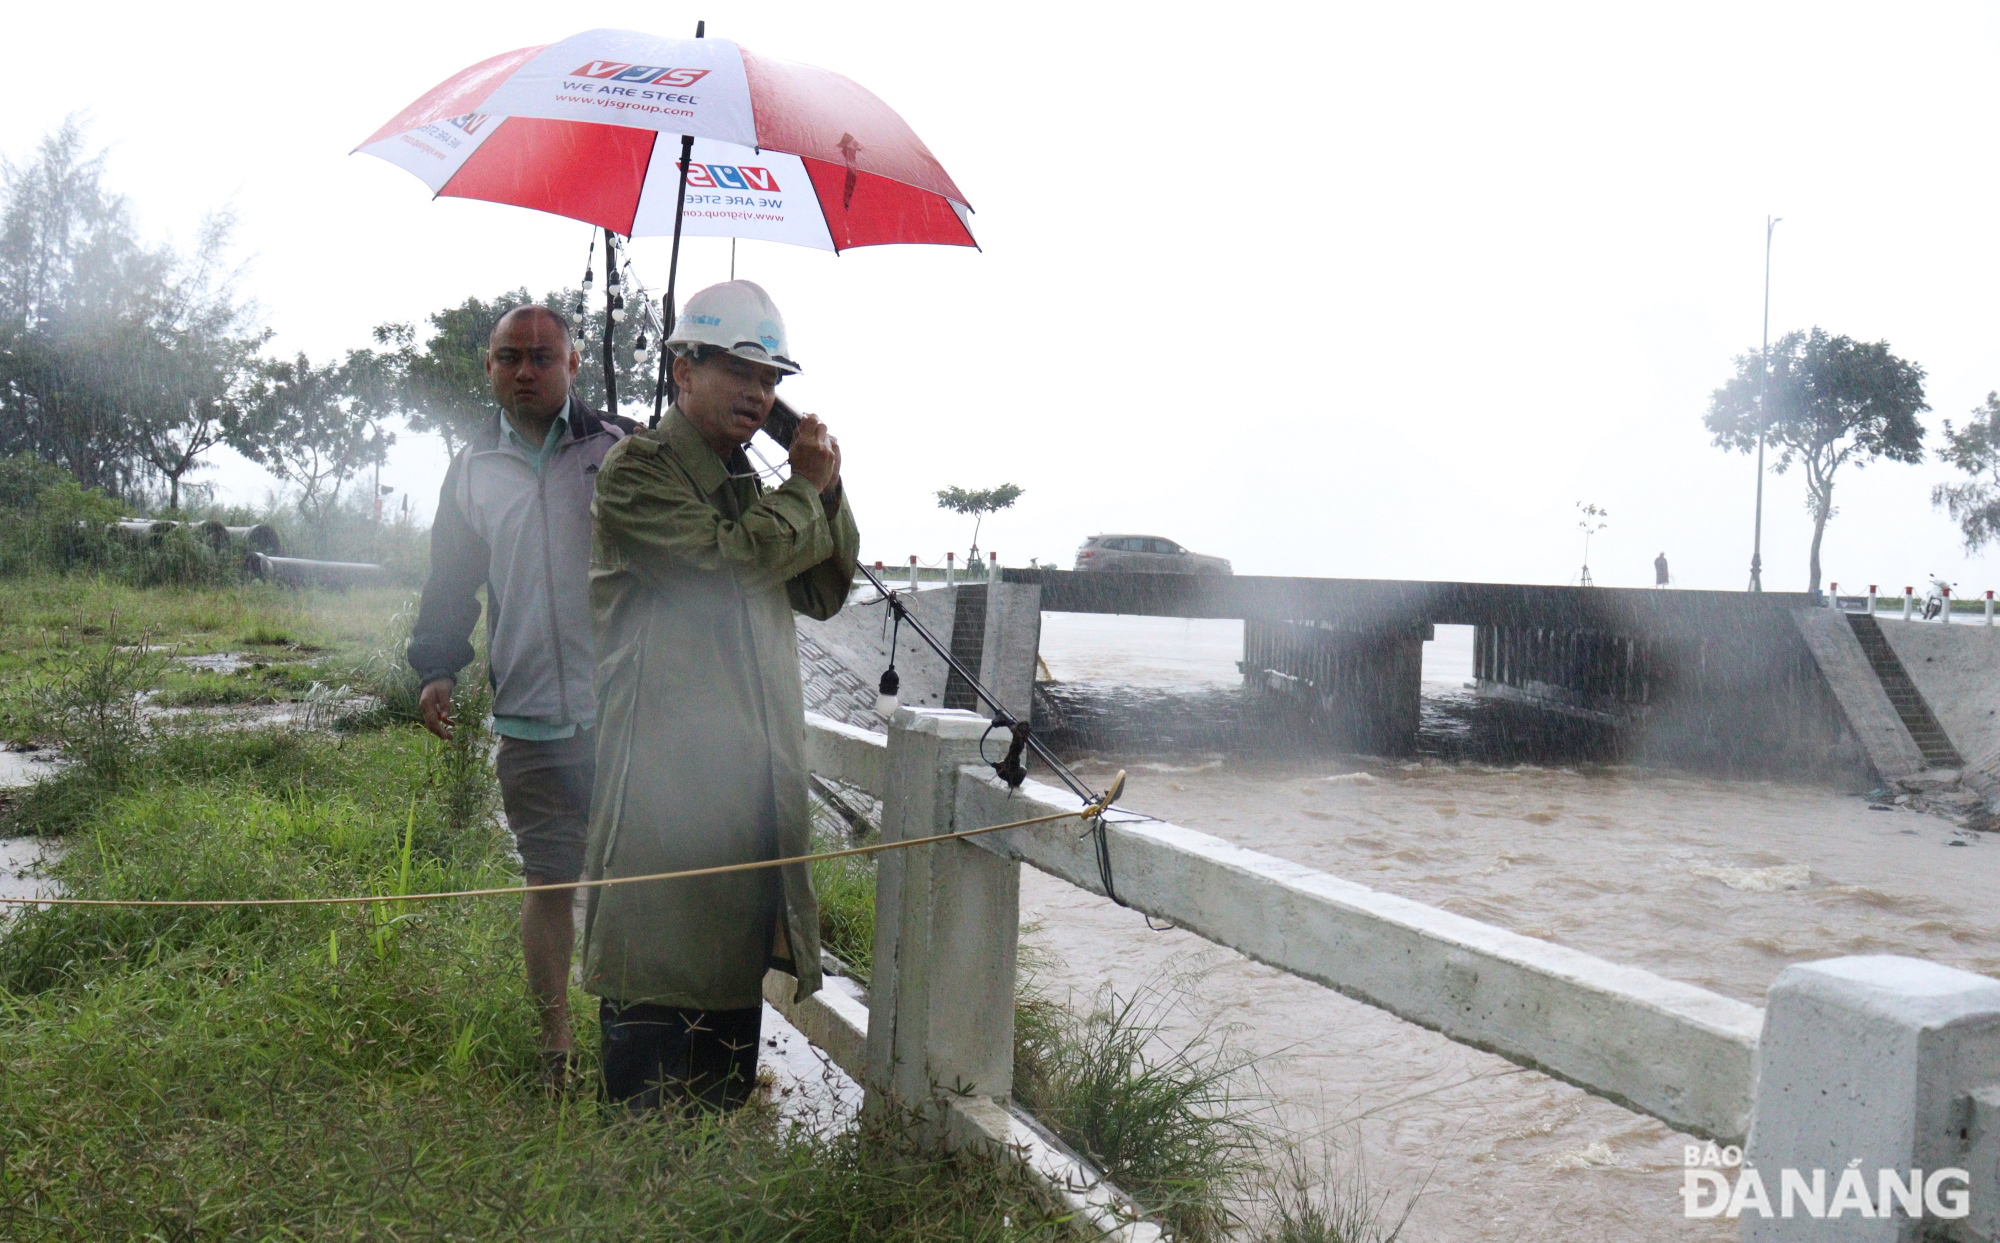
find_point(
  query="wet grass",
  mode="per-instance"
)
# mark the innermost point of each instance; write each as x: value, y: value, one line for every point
x: 49, y: 621
x: 211, y: 690
x: 1326, y: 1201
x: 342, y: 1071
x: 1167, y: 1117
x: 845, y: 889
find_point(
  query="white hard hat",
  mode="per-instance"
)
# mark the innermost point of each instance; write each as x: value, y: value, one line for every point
x: 737, y: 316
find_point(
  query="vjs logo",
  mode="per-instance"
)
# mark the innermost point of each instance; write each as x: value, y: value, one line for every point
x: 471, y: 122
x: 638, y: 75
x: 731, y: 177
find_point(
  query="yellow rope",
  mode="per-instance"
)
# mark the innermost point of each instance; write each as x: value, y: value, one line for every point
x: 1088, y: 812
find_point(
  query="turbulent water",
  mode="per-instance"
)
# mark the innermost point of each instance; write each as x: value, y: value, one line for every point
x: 1718, y: 883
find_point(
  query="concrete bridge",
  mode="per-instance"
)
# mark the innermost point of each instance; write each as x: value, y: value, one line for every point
x: 1720, y: 681
x: 1701, y: 677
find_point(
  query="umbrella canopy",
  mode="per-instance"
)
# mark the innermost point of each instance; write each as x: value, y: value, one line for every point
x: 590, y: 128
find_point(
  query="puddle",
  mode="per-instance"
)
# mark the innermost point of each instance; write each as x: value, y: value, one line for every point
x: 809, y: 1091
x: 218, y: 662
x: 20, y: 768
x: 313, y: 712
x: 22, y: 863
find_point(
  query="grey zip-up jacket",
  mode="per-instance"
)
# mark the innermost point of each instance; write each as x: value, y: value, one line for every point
x: 525, y: 535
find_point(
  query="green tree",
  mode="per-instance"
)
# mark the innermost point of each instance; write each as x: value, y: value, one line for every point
x: 635, y: 379
x: 443, y: 386
x: 190, y: 388
x: 116, y: 359
x: 316, y: 425
x: 445, y: 389
x: 1975, y: 450
x: 1829, y: 401
x: 978, y: 502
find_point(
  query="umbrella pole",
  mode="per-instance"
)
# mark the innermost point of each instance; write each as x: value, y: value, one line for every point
x: 610, y: 355
x: 661, y: 386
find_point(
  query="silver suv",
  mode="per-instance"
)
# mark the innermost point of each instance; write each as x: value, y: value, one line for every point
x: 1145, y: 554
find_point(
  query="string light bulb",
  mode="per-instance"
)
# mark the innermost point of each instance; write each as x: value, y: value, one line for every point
x: 589, y: 279
x: 885, y: 699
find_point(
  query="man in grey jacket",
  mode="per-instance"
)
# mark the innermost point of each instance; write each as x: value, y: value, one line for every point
x: 514, y: 517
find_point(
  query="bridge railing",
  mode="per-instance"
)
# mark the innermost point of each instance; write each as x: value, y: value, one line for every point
x: 937, y: 1036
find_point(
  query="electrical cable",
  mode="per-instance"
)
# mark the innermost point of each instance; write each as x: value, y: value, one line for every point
x: 1101, y: 841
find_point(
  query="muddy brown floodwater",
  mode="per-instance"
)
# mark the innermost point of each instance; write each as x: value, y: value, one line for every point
x: 1718, y: 883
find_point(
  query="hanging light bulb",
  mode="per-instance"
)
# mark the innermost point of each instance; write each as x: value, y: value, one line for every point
x: 589, y: 280
x: 641, y: 350
x: 617, y: 309
x: 885, y: 701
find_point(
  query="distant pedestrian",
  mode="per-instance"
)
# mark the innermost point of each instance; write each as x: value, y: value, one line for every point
x: 514, y: 518
x: 1660, y: 570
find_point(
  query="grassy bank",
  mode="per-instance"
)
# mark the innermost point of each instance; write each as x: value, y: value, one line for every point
x: 321, y: 1072
x: 369, y: 1072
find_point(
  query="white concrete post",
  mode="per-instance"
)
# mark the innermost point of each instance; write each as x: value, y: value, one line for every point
x: 1909, y: 598
x: 1944, y: 614
x: 950, y: 568
x: 1833, y: 595
x: 993, y: 567
x: 913, y: 571
x: 947, y: 917
x: 1982, y: 1162
x: 1871, y: 599
x: 1989, y: 607
x: 1865, y: 1072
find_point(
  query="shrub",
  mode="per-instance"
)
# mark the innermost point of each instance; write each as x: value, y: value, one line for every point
x: 49, y: 521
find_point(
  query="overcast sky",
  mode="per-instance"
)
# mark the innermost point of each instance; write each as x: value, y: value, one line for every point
x: 1356, y: 290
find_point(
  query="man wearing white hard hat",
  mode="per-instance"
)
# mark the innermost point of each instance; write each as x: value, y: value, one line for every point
x: 697, y: 565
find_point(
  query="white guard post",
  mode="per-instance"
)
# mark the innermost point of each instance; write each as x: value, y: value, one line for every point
x: 941, y: 995
x: 1881, y: 1065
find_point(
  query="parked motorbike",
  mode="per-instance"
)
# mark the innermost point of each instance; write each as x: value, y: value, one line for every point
x: 1940, y: 594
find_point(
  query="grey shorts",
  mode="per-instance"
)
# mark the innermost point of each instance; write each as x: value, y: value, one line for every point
x: 545, y: 787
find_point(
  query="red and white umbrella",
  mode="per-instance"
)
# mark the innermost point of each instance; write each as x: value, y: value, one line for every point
x: 591, y: 128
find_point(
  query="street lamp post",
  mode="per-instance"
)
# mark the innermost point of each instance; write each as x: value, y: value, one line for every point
x: 1763, y: 384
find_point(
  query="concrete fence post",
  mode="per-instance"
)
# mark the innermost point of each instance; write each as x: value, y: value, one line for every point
x: 1871, y: 599
x: 1944, y: 614
x: 913, y: 571
x: 1989, y: 607
x: 950, y: 568
x: 1909, y: 600
x: 1833, y: 595
x: 947, y: 918
x: 1874, y: 1077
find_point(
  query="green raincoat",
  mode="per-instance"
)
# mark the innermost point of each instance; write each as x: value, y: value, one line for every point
x: 695, y: 572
